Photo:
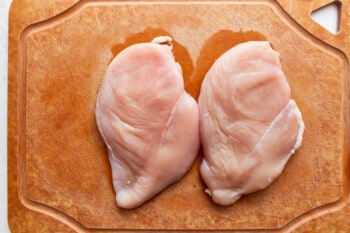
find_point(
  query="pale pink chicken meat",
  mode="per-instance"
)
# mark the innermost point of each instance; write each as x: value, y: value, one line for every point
x: 148, y: 122
x: 249, y: 126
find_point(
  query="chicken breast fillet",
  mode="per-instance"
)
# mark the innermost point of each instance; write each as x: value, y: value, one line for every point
x: 148, y: 121
x: 249, y: 126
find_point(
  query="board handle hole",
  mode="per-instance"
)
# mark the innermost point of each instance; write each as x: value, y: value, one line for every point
x: 329, y: 16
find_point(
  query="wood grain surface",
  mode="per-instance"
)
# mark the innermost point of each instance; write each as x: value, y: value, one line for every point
x: 58, y: 170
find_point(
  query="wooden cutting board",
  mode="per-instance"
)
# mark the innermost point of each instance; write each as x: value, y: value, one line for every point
x: 58, y: 172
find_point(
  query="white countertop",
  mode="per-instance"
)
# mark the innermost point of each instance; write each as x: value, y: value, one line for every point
x: 4, y: 7
x: 327, y: 18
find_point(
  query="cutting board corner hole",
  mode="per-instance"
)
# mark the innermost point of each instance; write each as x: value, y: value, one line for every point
x: 329, y: 16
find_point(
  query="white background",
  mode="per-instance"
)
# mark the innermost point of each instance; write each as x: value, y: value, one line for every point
x: 328, y: 18
x: 4, y: 7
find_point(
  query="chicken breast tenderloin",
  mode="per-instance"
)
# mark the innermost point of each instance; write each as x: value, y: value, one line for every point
x: 148, y: 121
x: 249, y: 125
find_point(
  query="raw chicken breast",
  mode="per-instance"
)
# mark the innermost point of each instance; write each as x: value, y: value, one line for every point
x: 148, y: 121
x: 249, y: 125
